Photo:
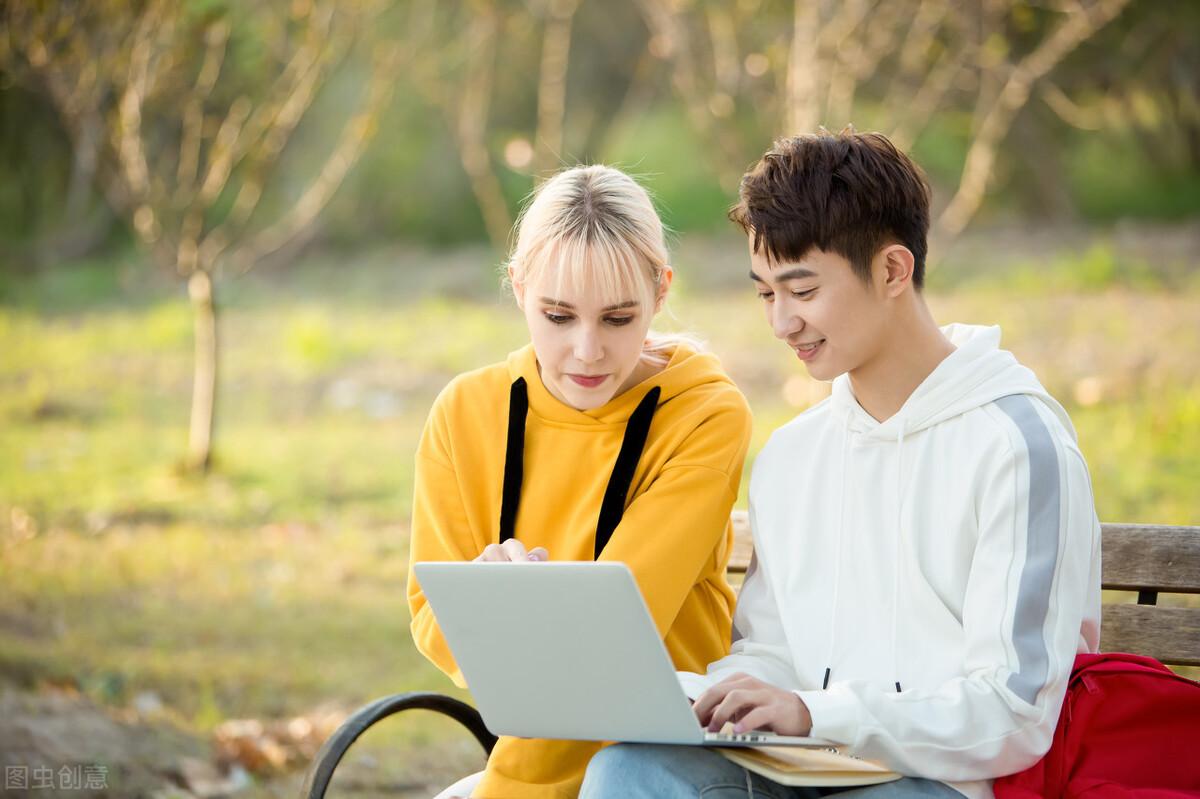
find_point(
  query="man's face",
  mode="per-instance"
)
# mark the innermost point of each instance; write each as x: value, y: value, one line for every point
x: 587, y: 350
x: 830, y: 318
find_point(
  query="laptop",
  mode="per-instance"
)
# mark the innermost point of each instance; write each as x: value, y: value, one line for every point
x: 567, y: 650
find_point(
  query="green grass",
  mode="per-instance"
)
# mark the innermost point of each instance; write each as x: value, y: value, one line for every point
x: 277, y: 583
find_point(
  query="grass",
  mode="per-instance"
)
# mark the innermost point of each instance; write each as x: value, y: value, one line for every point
x: 277, y: 584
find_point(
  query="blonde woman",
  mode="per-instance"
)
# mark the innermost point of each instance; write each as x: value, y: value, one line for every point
x: 599, y: 439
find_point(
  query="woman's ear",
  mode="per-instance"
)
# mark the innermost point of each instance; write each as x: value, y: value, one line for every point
x: 664, y: 286
x: 518, y: 288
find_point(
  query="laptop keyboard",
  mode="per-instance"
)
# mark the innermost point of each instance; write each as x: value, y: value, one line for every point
x: 756, y: 738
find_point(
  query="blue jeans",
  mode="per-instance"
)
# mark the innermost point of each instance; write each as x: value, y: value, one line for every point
x: 655, y: 771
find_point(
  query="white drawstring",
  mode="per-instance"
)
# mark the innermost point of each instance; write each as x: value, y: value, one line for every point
x: 898, y: 563
x: 837, y: 566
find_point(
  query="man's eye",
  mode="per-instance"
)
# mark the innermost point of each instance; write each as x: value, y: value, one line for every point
x: 617, y: 321
x: 802, y: 294
x: 766, y: 296
x: 557, y: 318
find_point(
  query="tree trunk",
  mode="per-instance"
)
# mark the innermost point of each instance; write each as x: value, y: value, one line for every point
x: 204, y: 378
x: 552, y: 88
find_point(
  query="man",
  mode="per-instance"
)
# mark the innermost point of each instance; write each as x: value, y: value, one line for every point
x: 927, y: 551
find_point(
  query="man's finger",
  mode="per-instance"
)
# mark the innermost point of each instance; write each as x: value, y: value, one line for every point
x: 539, y: 554
x: 704, y: 704
x: 758, y: 718
x: 737, y: 700
x: 708, y: 701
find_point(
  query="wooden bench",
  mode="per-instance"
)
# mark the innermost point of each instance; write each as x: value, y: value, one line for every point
x: 1148, y: 560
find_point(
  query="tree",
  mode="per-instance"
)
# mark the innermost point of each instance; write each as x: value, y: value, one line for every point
x: 911, y: 58
x: 189, y: 108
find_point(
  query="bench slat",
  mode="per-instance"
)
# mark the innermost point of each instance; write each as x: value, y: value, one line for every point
x: 1151, y: 557
x: 1170, y: 634
x: 1135, y: 557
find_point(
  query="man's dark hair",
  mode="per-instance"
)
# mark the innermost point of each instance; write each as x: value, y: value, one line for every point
x: 848, y: 193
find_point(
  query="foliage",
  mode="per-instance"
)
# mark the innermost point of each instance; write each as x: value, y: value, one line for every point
x: 123, y: 575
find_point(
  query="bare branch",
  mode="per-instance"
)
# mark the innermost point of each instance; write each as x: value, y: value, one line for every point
x: 980, y: 157
x: 355, y: 135
x: 1068, y: 110
x: 216, y: 38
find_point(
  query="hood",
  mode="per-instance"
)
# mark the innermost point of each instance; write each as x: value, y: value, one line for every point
x: 686, y: 369
x: 976, y: 373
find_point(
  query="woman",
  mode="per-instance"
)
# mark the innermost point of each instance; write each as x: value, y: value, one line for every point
x: 600, y: 439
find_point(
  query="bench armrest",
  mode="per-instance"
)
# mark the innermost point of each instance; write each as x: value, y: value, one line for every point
x: 320, y: 772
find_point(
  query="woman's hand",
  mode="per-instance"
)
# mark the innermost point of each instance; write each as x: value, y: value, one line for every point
x: 511, y: 551
x: 752, y: 705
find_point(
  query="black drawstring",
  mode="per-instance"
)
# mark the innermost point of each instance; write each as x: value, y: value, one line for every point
x: 613, y: 506
x: 514, y: 458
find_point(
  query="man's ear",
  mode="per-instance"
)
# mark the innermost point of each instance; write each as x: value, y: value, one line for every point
x: 518, y: 288
x: 664, y: 286
x: 898, y: 264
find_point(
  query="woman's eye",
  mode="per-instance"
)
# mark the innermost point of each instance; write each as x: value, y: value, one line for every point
x: 557, y: 318
x: 617, y: 321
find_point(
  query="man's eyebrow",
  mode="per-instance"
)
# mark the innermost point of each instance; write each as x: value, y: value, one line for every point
x: 795, y: 274
x: 618, y: 307
x: 792, y: 274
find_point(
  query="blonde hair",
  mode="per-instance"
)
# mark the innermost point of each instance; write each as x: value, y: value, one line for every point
x: 597, y: 229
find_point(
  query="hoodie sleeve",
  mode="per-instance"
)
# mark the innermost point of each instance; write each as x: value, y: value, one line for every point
x: 672, y: 529
x: 759, y: 648
x: 441, y: 530
x: 1032, y: 603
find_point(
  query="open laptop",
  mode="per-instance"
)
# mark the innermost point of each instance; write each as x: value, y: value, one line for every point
x: 567, y: 650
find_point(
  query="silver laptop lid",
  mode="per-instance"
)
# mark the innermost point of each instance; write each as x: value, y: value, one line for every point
x: 559, y: 650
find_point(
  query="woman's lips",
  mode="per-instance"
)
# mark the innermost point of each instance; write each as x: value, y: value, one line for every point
x: 588, y: 381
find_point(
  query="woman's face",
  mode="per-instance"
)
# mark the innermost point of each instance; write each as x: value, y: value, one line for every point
x: 588, y: 350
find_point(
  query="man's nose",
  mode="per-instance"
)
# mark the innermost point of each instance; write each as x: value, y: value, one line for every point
x: 784, y: 321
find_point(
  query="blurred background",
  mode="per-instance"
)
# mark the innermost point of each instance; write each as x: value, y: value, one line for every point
x: 244, y: 244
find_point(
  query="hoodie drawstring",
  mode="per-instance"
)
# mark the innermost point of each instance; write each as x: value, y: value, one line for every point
x: 637, y: 428
x: 837, y: 568
x: 837, y: 565
x: 897, y: 565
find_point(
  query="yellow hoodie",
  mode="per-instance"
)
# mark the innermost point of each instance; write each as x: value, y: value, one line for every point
x: 674, y: 534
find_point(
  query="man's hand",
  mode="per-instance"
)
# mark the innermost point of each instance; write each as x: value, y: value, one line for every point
x: 752, y: 705
x: 511, y: 551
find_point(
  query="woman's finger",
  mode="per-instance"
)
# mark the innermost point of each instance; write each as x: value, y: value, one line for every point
x: 492, y: 553
x: 514, y: 550
x: 539, y: 554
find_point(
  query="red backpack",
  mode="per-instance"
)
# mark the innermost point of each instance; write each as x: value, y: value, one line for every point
x: 1129, y: 729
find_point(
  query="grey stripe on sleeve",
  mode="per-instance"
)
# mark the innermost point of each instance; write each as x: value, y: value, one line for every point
x: 1041, y: 550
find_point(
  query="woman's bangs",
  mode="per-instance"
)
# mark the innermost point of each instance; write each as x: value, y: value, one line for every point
x: 611, y: 274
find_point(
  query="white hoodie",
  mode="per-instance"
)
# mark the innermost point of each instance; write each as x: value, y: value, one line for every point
x: 943, y: 566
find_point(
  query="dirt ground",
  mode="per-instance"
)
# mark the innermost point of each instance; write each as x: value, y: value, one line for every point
x: 55, y: 743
